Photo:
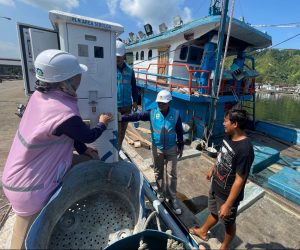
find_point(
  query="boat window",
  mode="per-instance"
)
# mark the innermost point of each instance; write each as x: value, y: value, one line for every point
x: 83, y: 50
x: 183, y: 53
x: 142, y: 55
x: 150, y: 54
x: 195, y: 55
x: 137, y: 56
x: 98, y: 52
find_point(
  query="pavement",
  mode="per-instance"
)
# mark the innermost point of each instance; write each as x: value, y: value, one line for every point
x: 11, y: 94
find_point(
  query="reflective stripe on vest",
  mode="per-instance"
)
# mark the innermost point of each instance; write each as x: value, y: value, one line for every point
x: 163, y: 128
x: 124, y: 86
x: 24, y: 189
x: 41, y: 145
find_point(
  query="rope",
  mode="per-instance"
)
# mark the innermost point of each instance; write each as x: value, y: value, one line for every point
x: 226, y: 47
x: 215, y: 100
x: 154, y: 213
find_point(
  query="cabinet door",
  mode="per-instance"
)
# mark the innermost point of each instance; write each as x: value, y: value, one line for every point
x: 33, y: 40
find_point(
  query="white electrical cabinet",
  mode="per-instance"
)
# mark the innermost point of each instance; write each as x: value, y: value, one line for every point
x: 93, y: 42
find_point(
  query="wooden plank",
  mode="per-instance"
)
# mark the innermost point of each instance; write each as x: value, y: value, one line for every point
x: 133, y: 136
x: 138, y: 137
x: 129, y: 140
x: 144, y: 130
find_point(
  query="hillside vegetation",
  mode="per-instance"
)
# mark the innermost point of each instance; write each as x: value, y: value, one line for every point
x: 278, y: 66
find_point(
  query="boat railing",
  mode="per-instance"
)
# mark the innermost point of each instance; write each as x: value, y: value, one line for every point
x: 192, y: 85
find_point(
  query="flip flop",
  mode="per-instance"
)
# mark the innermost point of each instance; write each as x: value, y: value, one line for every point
x: 193, y: 232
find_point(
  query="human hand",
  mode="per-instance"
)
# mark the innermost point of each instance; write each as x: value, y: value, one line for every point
x: 105, y: 118
x: 224, y: 211
x: 92, y: 153
x: 134, y: 106
x: 209, y: 174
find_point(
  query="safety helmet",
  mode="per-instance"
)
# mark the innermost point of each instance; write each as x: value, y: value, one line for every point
x: 56, y: 66
x: 164, y: 96
x: 120, y: 48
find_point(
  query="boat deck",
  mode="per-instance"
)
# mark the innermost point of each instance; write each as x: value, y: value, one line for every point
x: 272, y: 222
x: 266, y: 220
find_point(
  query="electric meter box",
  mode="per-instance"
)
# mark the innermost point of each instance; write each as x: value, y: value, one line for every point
x: 93, y: 42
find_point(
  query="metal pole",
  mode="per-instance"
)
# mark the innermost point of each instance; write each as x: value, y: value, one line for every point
x: 220, y: 43
x: 163, y: 213
x: 217, y: 69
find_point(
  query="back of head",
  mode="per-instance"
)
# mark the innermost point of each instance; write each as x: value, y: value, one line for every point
x: 120, y: 48
x: 240, y: 116
x: 164, y: 96
x: 54, y: 66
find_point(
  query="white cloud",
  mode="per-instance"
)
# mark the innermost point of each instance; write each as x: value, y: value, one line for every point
x: 7, y: 2
x: 9, y: 50
x: 156, y: 12
x: 53, y: 4
x: 112, y: 6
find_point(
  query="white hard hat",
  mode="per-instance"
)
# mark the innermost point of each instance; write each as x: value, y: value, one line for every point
x: 164, y: 96
x: 120, y: 48
x: 56, y: 66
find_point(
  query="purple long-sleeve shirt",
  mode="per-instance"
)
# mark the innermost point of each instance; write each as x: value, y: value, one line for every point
x: 76, y: 129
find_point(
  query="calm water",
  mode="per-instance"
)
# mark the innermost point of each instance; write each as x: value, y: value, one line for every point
x: 278, y: 108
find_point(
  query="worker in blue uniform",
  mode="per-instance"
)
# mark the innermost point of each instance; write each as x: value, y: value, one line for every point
x: 127, y: 92
x: 167, y: 145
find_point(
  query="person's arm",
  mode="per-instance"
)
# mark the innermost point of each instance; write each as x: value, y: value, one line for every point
x: 235, y: 190
x: 141, y: 116
x: 243, y: 164
x: 80, y: 147
x: 179, y: 133
x: 210, y: 172
x: 134, y: 90
x: 76, y: 129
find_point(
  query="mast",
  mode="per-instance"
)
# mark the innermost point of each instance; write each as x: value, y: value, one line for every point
x: 214, y: 8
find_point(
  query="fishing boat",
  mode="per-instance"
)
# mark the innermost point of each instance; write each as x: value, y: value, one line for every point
x: 188, y: 60
x: 115, y: 206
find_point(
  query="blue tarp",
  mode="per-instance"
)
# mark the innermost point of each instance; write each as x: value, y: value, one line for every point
x: 286, y: 183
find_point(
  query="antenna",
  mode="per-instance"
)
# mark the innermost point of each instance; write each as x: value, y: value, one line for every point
x: 163, y: 27
x: 177, y: 21
x: 141, y: 34
x: 148, y: 29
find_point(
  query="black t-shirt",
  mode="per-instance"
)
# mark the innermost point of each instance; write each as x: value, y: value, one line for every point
x: 235, y: 157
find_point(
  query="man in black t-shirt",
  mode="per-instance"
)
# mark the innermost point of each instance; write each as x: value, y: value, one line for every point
x: 229, y: 176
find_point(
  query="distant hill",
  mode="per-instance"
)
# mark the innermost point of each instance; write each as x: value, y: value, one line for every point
x: 278, y: 66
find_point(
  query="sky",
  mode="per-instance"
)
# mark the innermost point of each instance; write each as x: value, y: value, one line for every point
x: 133, y: 14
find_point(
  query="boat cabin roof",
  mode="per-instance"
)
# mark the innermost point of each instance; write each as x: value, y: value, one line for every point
x: 241, y: 33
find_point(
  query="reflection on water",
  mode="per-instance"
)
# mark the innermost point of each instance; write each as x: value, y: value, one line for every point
x: 278, y: 108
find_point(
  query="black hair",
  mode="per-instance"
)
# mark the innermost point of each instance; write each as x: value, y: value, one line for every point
x: 240, y: 116
x: 44, y: 87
